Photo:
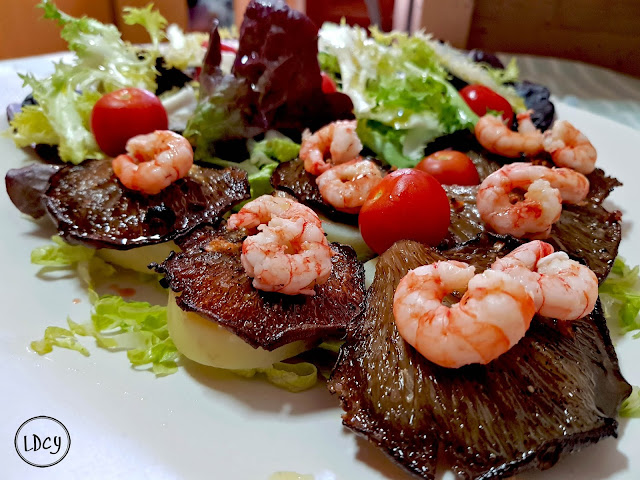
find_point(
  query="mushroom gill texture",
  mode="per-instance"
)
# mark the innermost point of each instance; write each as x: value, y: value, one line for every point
x: 553, y: 393
x: 212, y: 282
x: 90, y: 206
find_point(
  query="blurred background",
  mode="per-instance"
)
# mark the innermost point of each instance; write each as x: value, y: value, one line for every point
x: 562, y: 44
x: 599, y: 32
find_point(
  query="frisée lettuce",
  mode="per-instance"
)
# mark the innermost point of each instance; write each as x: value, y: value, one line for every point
x: 400, y: 92
x: 103, y: 63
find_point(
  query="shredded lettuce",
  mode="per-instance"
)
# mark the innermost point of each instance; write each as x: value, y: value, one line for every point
x: 631, y: 405
x: 60, y: 255
x: 294, y: 377
x: 620, y: 296
x: 103, y: 63
x: 58, y: 337
x: 138, y: 327
x: 229, y: 33
x: 329, y: 64
x: 400, y: 91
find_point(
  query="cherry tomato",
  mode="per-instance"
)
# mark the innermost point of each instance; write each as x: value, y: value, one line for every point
x: 123, y: 114
x: 328, y: 85
x: 450, y: 168
x: 480, y: 99
x: 224, y: 47
x: 406, y: 204
x: 227, y: 48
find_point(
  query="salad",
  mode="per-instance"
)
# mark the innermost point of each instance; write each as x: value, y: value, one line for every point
x: 249, y: 124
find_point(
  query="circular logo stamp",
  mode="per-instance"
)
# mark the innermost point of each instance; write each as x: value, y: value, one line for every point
x: 42, y: 441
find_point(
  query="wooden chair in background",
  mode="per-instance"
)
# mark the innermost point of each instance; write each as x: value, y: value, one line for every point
x: 594, y: 31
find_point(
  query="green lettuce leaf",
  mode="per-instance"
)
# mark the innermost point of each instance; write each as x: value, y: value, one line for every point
x: 58, y: 337
x: 274, y: 147
x: 185, y: 49
x: 103, y: 63
x: 152, y: 21
x: 400, y: 91
x: 295, y: 377
x: 329, y: 64
x: 631, y: 405
x: 620, y: 296
x: 217, y: 118
x: 463, y: 67
x: 31, y: 126
x: 264, y: 157
x: 387, y: 142
x: 116, y: 324
x: 508, y: 74
x: 60, y: 255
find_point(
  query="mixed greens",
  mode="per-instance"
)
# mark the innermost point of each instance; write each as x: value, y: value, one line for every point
x: 401, y: 87
x: 400, y: 92
x: 103, y: 63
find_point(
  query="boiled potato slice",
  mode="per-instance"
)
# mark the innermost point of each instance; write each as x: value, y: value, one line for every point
x: 208, y: 343
x: 139, y: 258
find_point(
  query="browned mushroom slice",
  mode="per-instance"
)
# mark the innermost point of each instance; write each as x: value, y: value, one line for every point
x: 555, y: 392
x: 90, y: 206
x: 587, y: 232
x: 211, y: 281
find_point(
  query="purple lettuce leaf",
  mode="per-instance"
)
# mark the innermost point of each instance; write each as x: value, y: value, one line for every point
x: 275, y: 81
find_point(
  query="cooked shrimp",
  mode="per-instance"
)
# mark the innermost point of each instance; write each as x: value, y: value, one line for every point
x: 546, y: 188
x: 561, y: 288
x: 492, y: 316
x: 290, y: 253
x: 496, y: 137
x: 153, y: 161
x: 347, y: 186
x: 531, y: 217
x: 338, y: 139
x: 570, y: 148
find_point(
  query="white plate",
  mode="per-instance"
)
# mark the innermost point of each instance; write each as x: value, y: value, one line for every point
x: 199, y: 424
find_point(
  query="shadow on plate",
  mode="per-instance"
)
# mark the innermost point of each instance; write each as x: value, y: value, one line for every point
x: 377, y: 460
x: 595, y: 462
x: 256, y: 393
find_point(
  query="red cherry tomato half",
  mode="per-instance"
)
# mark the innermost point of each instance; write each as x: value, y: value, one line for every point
x: 481, y: 99
x: 328, y: 85
x: 406, y: 204
x: 450, y: 168
x: 123, y: 114
x: 227, y: 48
x: 224, y: 47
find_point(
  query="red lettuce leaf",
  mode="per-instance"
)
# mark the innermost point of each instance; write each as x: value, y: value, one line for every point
x: 275, y: 82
